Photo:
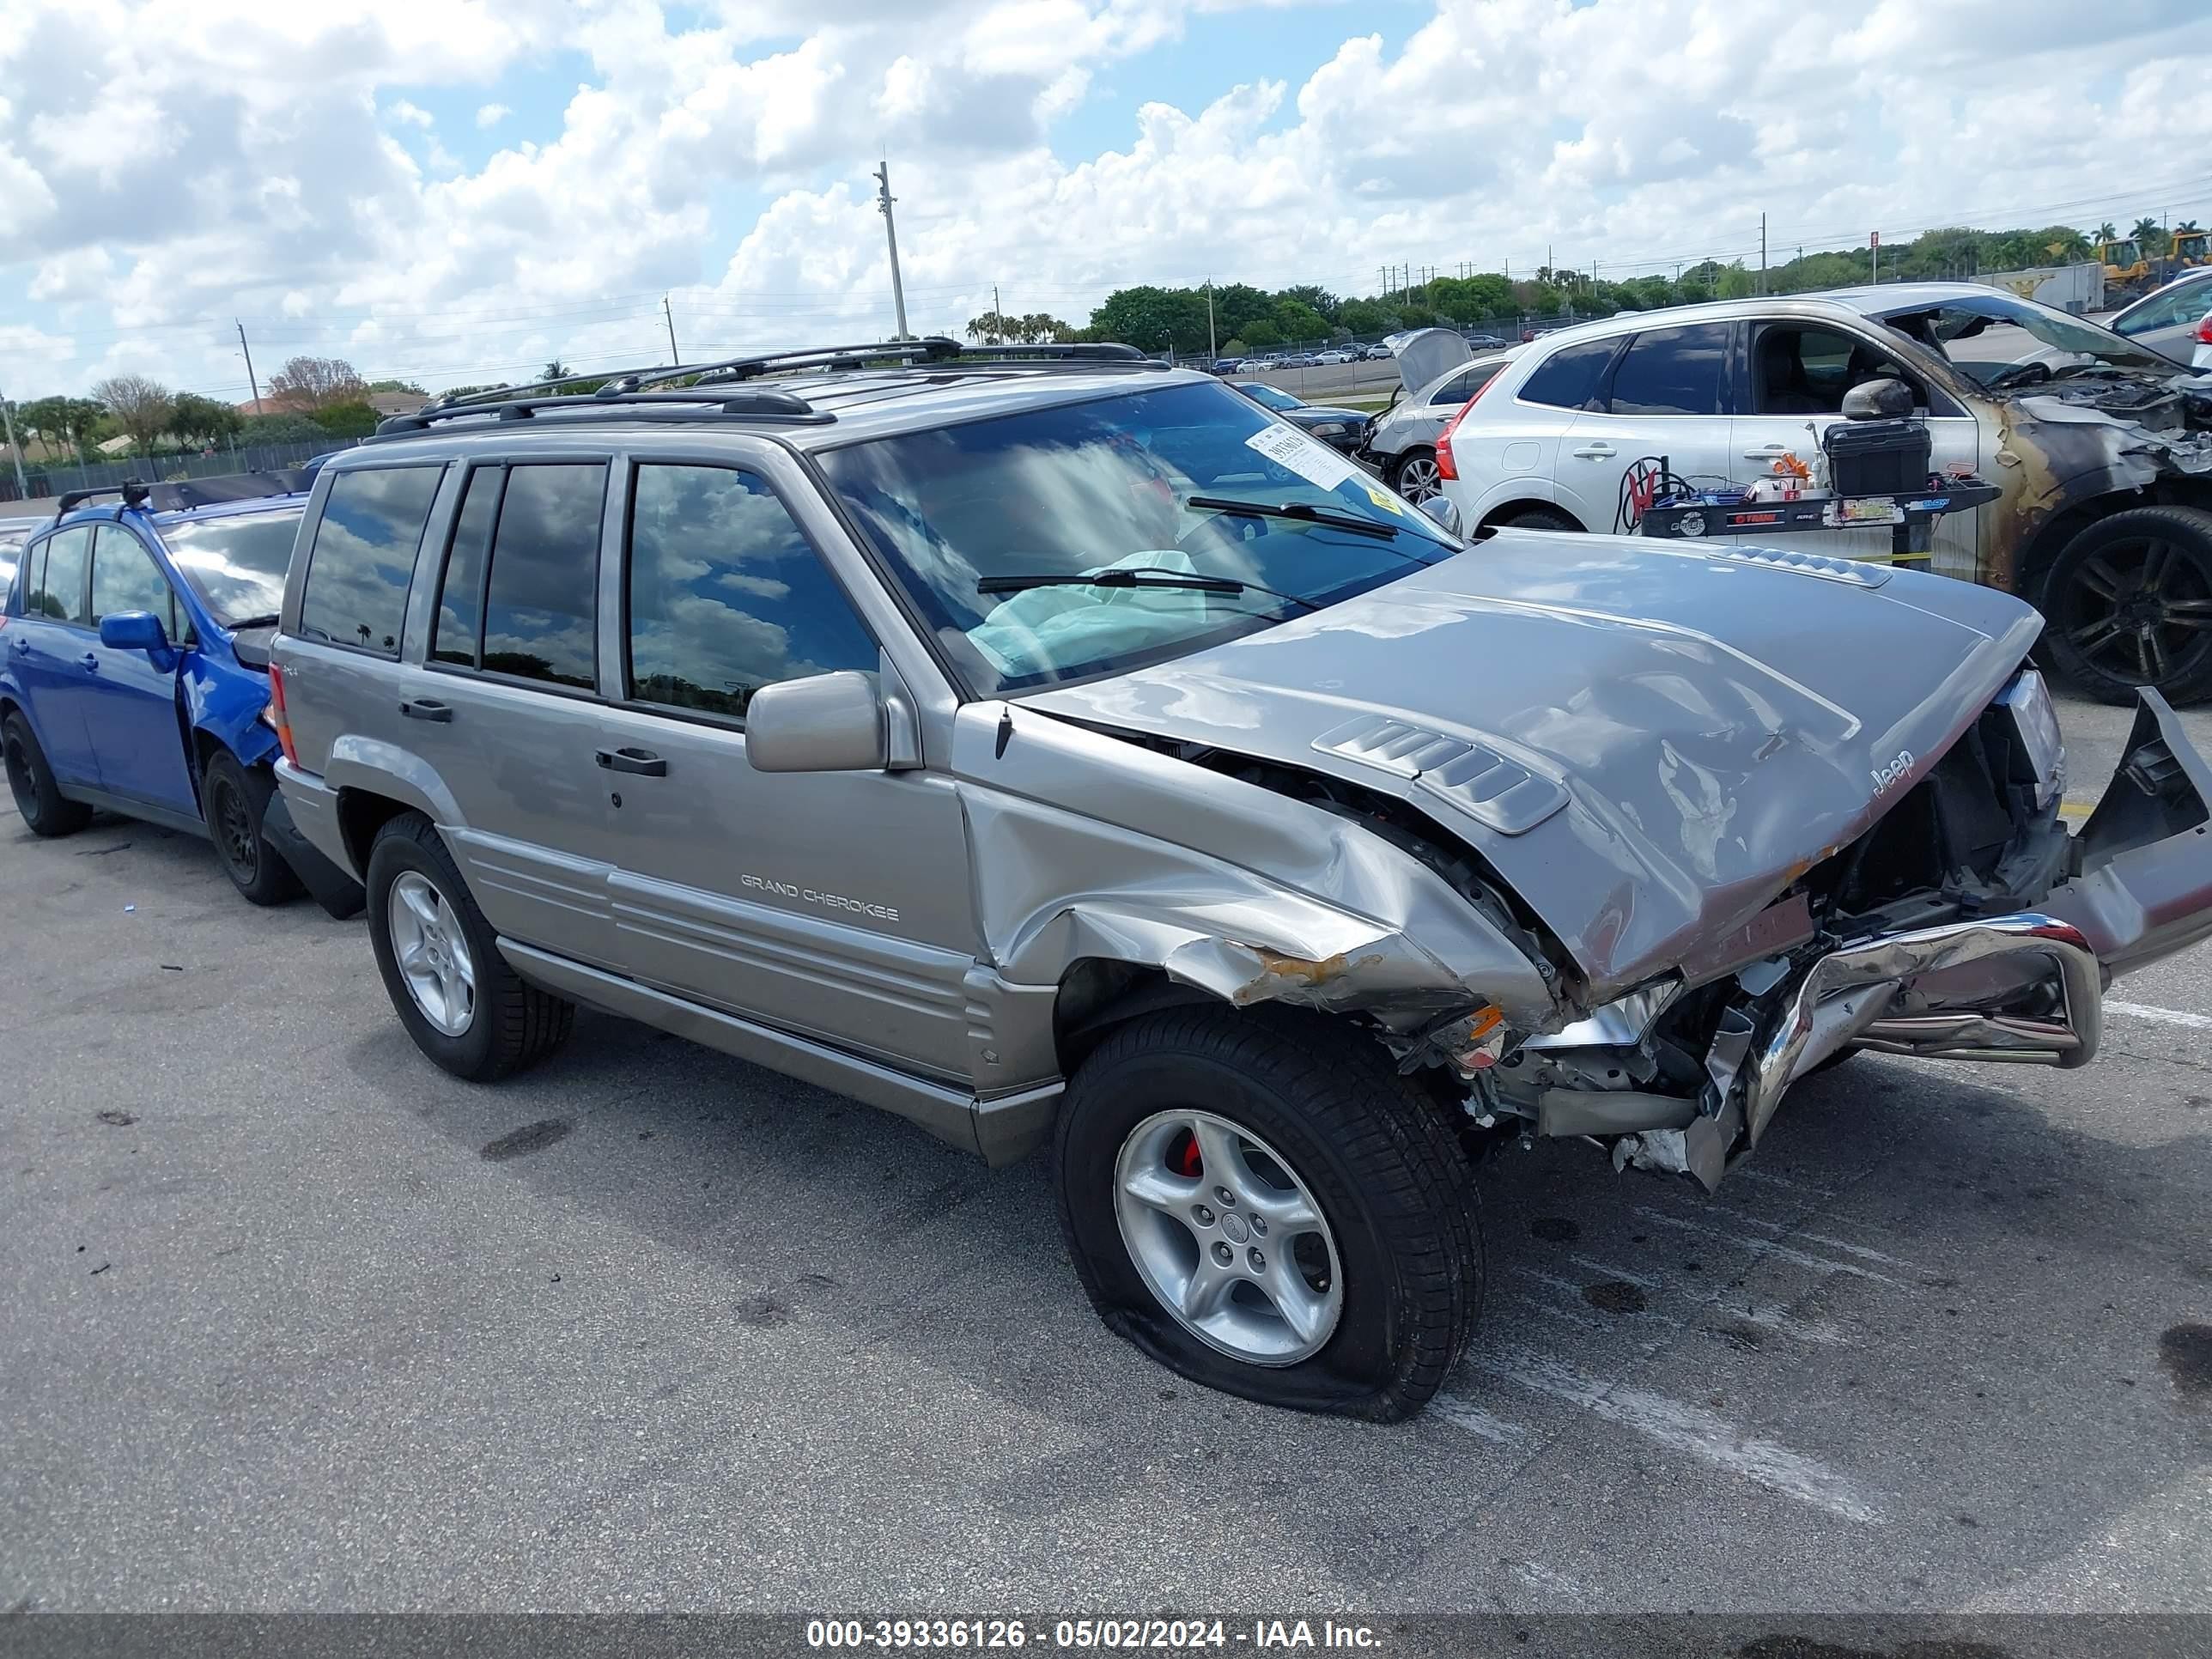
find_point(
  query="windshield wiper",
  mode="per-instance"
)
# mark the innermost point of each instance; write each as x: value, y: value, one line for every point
x: 1129, y: 576
x: 1303, y: 511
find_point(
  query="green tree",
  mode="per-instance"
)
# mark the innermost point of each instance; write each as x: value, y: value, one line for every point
x: 555, y: 370
x: 282, y: 429
x: 2150, y: 235
x: 1314, y: 299
x: 397, y: 385
x: 139, y: 407
x: 346, y: 420
x: 2107, y: 232
x: 204, y: 421
x: 60, y: 423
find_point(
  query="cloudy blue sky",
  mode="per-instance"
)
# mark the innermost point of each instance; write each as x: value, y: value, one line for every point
x: 455, y: 190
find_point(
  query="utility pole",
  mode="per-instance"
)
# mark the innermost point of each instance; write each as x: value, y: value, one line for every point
x: 674, y: 357
x: 1211, y: 348
x: 16, y: 452
x: 1762, y: 253
x: 997, y: 316
x: 884, y: 200
x: 250, y: 380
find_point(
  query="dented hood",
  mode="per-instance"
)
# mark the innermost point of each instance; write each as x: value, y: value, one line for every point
x: 1646, y: 744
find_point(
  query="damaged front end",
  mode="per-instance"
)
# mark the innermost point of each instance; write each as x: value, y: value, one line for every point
x: 1965, y: 925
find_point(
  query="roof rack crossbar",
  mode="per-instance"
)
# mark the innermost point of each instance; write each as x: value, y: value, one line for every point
x: 133, y: 492
x: 185, y: 494
x: 635, y: 386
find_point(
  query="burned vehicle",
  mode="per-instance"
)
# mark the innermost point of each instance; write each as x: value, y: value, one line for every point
x: 1049, y: 747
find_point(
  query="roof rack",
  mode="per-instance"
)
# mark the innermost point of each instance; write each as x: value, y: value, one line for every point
x: 634, y: 387
x: 188, y: 493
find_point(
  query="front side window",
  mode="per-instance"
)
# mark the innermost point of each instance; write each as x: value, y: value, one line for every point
x: 2184, y: 303
x: 725, y: 595
x: 1673, y: 371
x: 1569, y: 378
x: 125, y: 578
x: 237, y: 565
x: 540, y: 602
x: 364, y: 557
x: 1807, y: 370
x: 59, y: 594
x: 1088, y: 538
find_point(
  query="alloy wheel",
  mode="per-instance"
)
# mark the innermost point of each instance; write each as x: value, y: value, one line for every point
x: 432, y: 953
x: 1227, y: 1237
x: 2138, y: 612
x: 234, y: 833
x: 1419, y: 479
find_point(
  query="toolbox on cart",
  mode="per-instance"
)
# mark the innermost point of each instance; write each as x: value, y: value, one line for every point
x: 1876, y: 458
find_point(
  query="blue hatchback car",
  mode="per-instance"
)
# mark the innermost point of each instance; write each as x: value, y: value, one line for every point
x: 134, y: 673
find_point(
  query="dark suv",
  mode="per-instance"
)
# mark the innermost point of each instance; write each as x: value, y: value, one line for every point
x: 1060, y: 748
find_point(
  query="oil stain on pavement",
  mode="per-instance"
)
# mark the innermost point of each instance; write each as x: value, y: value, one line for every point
x: 529, y: 1138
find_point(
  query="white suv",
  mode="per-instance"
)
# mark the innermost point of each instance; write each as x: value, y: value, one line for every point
x: 2103, y: 449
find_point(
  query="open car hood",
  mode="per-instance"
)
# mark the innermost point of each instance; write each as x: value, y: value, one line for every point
x: 1647, y: 744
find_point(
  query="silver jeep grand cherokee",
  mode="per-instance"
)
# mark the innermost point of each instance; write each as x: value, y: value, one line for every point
x: 1054, y: 748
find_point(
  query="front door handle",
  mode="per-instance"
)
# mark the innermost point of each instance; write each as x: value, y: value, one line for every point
x: 427, y: 708
x: 1596, y: 451
x: 90, y: 662
x: 643, y: 761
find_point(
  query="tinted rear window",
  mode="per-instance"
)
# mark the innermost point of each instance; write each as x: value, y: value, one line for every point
x: 364, y: 557
x: 1672, y: 371
x: 540, y: 601
x: 1568, y: 378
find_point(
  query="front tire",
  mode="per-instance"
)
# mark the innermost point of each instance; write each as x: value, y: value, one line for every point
x: 46, y: 812
x: 2128, y: 603
x: 1540, y: 518
x: 235, y: 799
x: 1358, y: 1289
x: 465, y: 1006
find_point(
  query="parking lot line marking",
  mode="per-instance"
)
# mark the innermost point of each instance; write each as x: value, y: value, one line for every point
x: 1609, y: 1271
x: 1693, y: 1430
x: 2163, y: 1015
x: 1464, y: 1413
x: 1770, y: 1246
x: 1864, y: 1252
x: 1767, y: 1177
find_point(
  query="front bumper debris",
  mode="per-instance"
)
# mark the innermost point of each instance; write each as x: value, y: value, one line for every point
x: 2023, y: 988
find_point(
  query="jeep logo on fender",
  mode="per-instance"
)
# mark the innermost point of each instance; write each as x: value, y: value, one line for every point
x: 1885, y: 776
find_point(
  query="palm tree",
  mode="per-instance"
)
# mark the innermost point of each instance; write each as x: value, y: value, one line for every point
x: 2148, y: 236
x: 2107, y: 232
x: 2187, y: 228
x: 555, y: 370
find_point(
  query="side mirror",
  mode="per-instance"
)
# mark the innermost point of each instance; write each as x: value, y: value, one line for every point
x: 133, y: 630
x: 825, y: 723
x: 1444, y: 510
x: 1877, y: 400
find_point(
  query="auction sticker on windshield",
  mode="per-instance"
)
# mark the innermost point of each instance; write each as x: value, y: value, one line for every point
x: 1316, y: 463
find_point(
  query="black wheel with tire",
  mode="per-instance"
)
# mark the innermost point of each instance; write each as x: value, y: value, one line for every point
x: 1413, y: 474
x: 1260, y: 1202
x: 45, y: 810
x: 2128, y: 603
x: 1538, y: 518
x: 465, y: 1007
x: 234, y: 798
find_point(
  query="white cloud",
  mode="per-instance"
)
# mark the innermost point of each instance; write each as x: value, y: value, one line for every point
x: 253, y: 168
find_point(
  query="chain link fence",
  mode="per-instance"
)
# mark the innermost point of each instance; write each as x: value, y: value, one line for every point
x: 52, y: 478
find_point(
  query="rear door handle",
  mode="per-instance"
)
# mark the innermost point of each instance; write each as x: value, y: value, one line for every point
x: 91, y: 662
x: 643, y: 761
x: 1597, y: 451
x: 426, y: 709
x: 1767, y: 452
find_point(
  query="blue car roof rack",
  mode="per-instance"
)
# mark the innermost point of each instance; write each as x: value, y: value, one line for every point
x: 710, y: 393
x: 188, y: 493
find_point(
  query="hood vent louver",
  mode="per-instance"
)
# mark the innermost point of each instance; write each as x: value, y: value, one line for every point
x: 1497, y: 792
x: 1853, y: 571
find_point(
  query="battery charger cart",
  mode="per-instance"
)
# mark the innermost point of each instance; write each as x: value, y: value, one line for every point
x: 1876, y: 460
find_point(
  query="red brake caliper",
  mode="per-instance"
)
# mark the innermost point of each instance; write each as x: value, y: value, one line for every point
x: 1186, y: 1158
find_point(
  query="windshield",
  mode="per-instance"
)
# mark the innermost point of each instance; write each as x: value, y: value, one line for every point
x: 236, y: 565
x: 1108, y: 484
x: 2006, y: 342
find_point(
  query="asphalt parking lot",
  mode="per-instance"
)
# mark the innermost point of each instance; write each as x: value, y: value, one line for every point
x: 294, y: 1321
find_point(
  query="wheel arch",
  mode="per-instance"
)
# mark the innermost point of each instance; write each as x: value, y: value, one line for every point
x: 2051, y: 538
x: 1496, y: 515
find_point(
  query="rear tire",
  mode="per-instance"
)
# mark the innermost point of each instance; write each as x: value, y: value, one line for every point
x: 1414, y: 475
x: 1397, y: 1241
x: 46, y: 812
x: 1538, y: 518
x: 233, y: 799
x: 2128, y: 603
x: 496, y: 1022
